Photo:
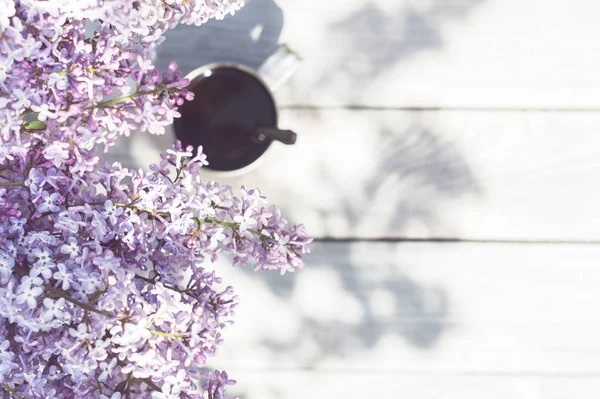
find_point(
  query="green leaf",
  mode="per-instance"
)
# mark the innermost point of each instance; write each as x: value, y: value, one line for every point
x: 35, y: 125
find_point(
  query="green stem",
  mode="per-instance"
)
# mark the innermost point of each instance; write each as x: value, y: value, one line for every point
x: 85, y: 306
x: 85, y: 70
x: 233, y: 226
x: 146, y: 279
x: 164, y: 334
x: 218, y: 222
x: 142, y: 209
x: 167, y: 286
x: 11, y: 391
x: 151, y: 384
x: 88, y: 307
x: 12, y: 184
x: 178, y: 174
x: 127, y: 98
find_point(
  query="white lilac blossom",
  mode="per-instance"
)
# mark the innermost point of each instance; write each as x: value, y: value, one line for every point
x: 105, y: 285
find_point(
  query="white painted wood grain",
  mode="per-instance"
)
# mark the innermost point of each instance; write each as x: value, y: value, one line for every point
x: 470, y: 175
x: 323, y: 385
x: 420, y: 321
x: 449, y: 53
x: 446, y: 53
x: 453, y: 309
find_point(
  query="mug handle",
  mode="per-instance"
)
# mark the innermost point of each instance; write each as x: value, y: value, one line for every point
x: 279, y: 67
x: 272, y: 133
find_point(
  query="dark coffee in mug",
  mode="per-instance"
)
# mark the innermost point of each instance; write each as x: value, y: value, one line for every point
x: 229, y: 106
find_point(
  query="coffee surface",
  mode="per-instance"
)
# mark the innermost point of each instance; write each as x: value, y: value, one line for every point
x: 228, y: 106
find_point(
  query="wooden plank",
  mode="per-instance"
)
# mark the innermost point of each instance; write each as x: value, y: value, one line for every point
x: 467, y: 175
x: 321, y: 385
x: 408, y: 309
x: 455, y: 53
x: 451, y: 53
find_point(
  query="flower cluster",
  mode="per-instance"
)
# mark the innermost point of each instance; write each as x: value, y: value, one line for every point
x: 104, y: 288
x: 60, y: 58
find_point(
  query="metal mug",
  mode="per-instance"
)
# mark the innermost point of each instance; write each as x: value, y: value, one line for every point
x: 234, y: 115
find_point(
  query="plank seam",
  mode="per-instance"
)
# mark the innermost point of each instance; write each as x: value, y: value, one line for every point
x: 301, y: 107
x: 441, y: 240
x: 505, y: 374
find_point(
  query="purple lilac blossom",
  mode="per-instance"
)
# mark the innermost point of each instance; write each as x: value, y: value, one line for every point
x: 105, y: 290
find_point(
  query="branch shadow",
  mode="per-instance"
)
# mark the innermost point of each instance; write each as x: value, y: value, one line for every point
x: 430, y: 168
x: 416, y: 171
x: 379, y: 39
x: 424, y: 170
x: 249, y: 37
x: 375, y: 39
x: 416, y: 312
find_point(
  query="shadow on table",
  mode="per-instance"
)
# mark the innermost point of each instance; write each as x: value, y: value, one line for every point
x: 371, y: 40
x: 389, y: 301
x: 248, y: 37
x: 420, y: 171
x: 416, y: 172
x: 378, y: 39
x: 360, y: 300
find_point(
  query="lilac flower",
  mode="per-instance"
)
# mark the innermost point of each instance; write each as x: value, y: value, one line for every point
x: 63, y: 276
x: 102, y: 267
x: 216, y: 384
x: 69, y: 222
x: 57, y: 153
x: 16, y: 226
x: 48, y: 202
x: 111, y: 212
x: 81, y: 333
x: 29, y: 291
x: 54, y: 309
x: 175, y: 384
x: 107, y: 262
x: 43, y: 270
x: 107, y: 369
x: 205, y: 208
x: 70, y: 248
x: 20, y: 98
x: 41, y: 257
x: 245, y: 220
x: 61, y: 82
x: 215, y: 238
x: 44, y: 112
x: 168, y: 114
x: 7, y: 264
x: 178, y: 156
x: 8, y: 10
x: 7, y: 363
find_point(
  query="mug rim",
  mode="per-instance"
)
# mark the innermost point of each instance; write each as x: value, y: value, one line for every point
x: 196, y: 73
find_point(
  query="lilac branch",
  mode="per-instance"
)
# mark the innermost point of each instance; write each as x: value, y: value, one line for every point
x: 12, y: 184
x: 11, y: 391
x: 129, y: 97
x: 62, y: 294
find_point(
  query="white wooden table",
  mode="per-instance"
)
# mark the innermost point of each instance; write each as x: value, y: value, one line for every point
x: 449, y: 154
